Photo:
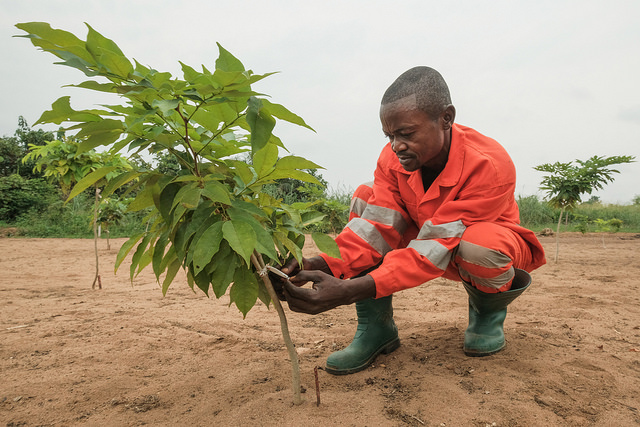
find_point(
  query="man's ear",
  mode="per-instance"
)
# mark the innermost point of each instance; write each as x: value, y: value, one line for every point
x: 448, y: 116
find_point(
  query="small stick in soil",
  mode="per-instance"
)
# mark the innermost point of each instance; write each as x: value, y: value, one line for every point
x: 315, y: 372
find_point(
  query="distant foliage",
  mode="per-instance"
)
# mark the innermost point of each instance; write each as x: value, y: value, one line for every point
x: 19, y: 195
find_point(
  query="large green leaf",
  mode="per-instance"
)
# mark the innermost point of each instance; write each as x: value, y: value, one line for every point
x: 216, y: 192
x: 119, y: 181
x: 137, y: 255
x: 265, y: 159
x: 264, y: 241
x: 61, y: 111
x: 172, y: 270
x: 227, y: 62
x: 143, y: 200
x: 55, y: 41
x: 126, y: 248
x: 241, y: 238
x: 206, y: 247
x: 296, y: 162
x: 289, y: 245
x: 244, y: 291
x: 282, y: 113
x: 225, y: 263
x: 260, y: 122
x: 159, y: 253
x: 326, y: 244
x: 107, y: 54
x: 89, y: 180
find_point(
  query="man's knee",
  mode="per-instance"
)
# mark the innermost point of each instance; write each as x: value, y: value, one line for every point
x: 360, y: 199
x: 486, y: 255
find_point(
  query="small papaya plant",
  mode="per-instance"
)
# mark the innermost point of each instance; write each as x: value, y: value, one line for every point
x: 212, y: 219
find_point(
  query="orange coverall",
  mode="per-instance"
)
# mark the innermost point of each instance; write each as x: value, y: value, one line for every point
x: 466, y: 225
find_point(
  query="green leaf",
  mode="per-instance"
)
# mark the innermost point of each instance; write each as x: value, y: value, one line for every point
x: 206, y: 247
x: 119, y: 181
x: 260, y: 122
x: 227, y: 62
x: 159, y: 253
x: 294, y: 174
x: 263, y: 293
x: 265, y: 159
x: 143, y: 200
x: 244, y: 291
x: 61, y: 111
x: 282, y: 113
x: 216, y: 192
x: 165, y: 105
x: 296, y: 162
x: 326, y: 244
x: 125, y: 249
x: 225, y: 262
x: 172, y: 270
x: 90, y: 180
x: 165, y: 201
x: 135, y: 259
x: 241, y: 238
x: 289, y: 245
x: 107, y: 54
x: 249, y: 207
x: 264, y: 241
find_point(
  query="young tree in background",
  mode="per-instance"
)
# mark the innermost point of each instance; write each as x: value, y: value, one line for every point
x: 67, y: 164
x: 567, y: 182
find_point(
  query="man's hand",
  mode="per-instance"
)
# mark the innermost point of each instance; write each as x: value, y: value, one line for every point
x: 327, y: 291
x: 292, y: 268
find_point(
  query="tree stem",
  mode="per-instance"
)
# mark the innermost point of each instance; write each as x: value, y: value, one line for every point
x: 95, y: 239
x: 258, y: 262
x: 558, y: 234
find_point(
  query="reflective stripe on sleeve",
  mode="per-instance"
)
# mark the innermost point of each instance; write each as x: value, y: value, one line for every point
x: 370, y: 234
x: 441, y: 231
x: 386, y: 216
x: 434, y: 251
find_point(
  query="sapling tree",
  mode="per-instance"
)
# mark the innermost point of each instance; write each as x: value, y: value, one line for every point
x: 110, y: 212
x: 75, y: 169
x: 212, y: 218
x: 606, y: 226
x: 565, y: 183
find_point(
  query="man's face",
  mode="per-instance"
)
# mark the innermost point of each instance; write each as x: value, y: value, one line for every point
x: 417, y: 140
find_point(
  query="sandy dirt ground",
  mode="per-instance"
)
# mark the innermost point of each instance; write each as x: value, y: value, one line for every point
x: 124, y: 355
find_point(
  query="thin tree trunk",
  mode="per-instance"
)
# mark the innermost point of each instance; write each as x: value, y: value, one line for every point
x: 558, y: 234
x: 95, y: 240
x: 257, y: 261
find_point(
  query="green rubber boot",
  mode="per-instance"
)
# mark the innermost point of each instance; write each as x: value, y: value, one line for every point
x: 377, y: 333
x: 485, y: 334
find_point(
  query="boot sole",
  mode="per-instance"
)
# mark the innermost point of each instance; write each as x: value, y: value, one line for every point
x: 471, y: 353
x: 385, y: 349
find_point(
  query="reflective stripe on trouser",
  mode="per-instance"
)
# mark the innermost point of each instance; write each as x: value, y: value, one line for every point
x: 487, y: 255
x: 360, y: 199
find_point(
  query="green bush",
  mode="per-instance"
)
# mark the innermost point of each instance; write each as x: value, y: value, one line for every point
x: 19, y: 195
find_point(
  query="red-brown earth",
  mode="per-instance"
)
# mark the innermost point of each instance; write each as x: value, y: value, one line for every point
x: 126, y: 355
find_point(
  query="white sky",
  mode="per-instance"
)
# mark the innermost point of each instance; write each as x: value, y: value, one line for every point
x: 550, y: 80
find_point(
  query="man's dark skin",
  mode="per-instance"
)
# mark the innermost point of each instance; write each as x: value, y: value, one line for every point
x: 420, y: 142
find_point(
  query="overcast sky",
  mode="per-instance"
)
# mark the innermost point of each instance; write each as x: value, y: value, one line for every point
x: 550, y: 80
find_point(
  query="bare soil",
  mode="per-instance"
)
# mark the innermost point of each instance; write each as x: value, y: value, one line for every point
x: 126, y: 355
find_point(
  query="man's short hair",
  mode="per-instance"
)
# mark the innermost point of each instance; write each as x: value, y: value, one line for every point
x: 429, y: 87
